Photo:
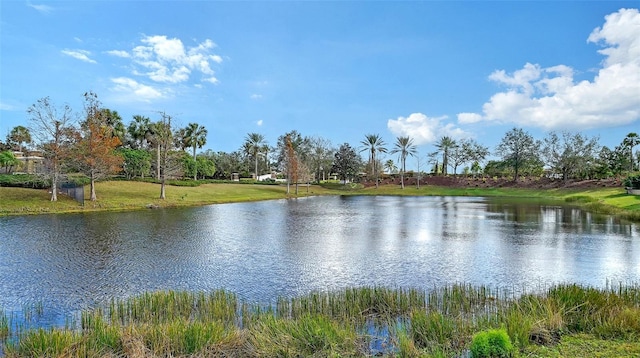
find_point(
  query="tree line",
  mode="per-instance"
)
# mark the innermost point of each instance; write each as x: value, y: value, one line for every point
x: 100, y: 145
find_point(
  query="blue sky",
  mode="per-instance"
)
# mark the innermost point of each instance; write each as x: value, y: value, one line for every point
x: 339, y: 70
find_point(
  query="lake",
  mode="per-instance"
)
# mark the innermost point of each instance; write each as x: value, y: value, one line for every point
x: 277, y: 248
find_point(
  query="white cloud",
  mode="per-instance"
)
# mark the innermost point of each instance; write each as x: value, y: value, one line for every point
x: 40, y: 8
x: 549, y: 97
x: 216, y: 59
x: 424, y: 129
x: 211, y: 80
x: 621, y: 36
x: 167, y: 60
x: 81, y: 55
x: 119, y: 53
x: 469, y: 117
x: 131, y: 90
x: 6, y: 107
x: 259, y: 123
x: 256, y: 96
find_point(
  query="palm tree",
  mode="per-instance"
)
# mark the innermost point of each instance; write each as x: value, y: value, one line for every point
x: 631, y: 140
x: 139, y: 130
x: 444, y: 145
x: 8, y: 161
x: 254, y: 145
x: 19, y: 135
x: 374, y: 144
x: 195, y: 136
x: 390, y: 166
x: 404, y: 146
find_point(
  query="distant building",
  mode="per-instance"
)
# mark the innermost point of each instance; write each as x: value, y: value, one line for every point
x: 31, y: 162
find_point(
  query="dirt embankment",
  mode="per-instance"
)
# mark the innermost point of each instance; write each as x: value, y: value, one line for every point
x: 530, y: 183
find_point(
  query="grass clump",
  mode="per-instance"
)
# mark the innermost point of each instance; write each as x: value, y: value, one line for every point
x: 46, y: 343
x: 493, y: 343
x: 435, y: 332
x: 4, y: 325
x: 306, y: 336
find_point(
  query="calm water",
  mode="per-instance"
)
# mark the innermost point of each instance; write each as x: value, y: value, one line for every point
x: 290, y: 247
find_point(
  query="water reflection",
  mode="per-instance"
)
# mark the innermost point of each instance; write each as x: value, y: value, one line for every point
x: 290, y: 247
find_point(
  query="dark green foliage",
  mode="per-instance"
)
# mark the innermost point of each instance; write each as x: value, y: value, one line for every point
x: 632, y: 181
x: 493, y: 343
x: 346, y: 162
x: 137, y: 162
x: 24, y: 181
x: 205, y: 167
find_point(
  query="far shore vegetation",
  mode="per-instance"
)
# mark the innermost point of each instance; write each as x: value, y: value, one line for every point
x: 118, y: 195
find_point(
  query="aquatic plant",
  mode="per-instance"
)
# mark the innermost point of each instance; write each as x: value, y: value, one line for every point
x: 493, y: 343
x: 4, y: 325
x: 441, y: 322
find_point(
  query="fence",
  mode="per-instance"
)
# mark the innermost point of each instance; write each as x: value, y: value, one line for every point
x: 73, y: 190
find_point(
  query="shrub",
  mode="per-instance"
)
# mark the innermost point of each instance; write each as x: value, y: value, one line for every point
x: 492, y: 343
x: 632, y: 181
x: 24, y: 181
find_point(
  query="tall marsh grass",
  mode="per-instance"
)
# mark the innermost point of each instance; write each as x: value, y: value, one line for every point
x: 439, y: 323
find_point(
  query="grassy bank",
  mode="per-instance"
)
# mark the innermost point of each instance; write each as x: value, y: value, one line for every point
x: 131, y: 195
x: 357, y: 322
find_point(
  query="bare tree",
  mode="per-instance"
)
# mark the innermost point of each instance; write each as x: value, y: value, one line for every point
x: 53, y: 129
x: 95, y: 148
x: 167, y: 161
x: 570, y: 153
x: 321, y: 157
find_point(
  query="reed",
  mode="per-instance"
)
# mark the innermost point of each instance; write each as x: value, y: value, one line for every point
x: 354, y: 303
x: 4, y: 325
x: 309, y: 335
x: 44, y: 343
x: 166, y: 306
x: 437, y: 333
x: 441, y: 322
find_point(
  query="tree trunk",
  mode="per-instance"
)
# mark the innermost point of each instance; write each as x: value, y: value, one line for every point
x: 162, y: 191
x: 256, y: 172
x: 93, y: 189
x: 54, y: 184
x: 158, y: 163
x: 402, y: 175
x: 195, y: 164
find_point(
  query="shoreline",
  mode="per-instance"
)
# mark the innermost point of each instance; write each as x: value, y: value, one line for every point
x: 132, y: 195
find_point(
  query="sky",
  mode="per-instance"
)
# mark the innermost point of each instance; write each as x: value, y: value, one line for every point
x: 334, y: 69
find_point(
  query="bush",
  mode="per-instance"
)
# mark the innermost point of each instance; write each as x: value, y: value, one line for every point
x: 24, y: 181
x: 491, y: 343
x: 632, y: 181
